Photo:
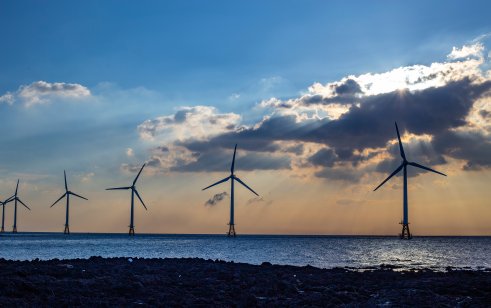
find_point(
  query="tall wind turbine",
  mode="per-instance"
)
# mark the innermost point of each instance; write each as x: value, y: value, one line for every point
x: 232, y: 178
x: 67, y: 195
x: 133, y: 192
x: 16, y: 199
x: 405, y: 234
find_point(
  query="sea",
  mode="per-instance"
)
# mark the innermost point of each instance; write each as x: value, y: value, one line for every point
x: 361, y: 252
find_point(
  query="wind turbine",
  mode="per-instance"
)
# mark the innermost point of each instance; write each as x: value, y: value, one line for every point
x: 133, y: 192
x: 232, y: 178
x: 67, y: 195
x: 16, y: 199
x: 405, y: 234
x: 3, y: 215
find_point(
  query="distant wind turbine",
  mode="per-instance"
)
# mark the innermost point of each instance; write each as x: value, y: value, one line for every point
x: 405, y: 234
x: 133, y: 192
x: 3, y: 214
x: 232, y: 178
x: 67, y: 195
x: 16, y: 199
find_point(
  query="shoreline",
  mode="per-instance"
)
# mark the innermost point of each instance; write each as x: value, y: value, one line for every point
x: 192, y: 281
x: 77, y: 233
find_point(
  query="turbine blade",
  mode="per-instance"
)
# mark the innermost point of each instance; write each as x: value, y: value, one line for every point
x: 58, y: 199
x: 238, y: 180
x: 134, y: 182
x: 71, y: 193
x: 233, y: 161
x: 221, y: 181
x: 138, y: 195
x: 66, y: 185
x: 115, y: 188
x: 23, y: 204
x: 17, y: 187
x: 401, y: 149
x: 393, y: 173
x: 425, y: 168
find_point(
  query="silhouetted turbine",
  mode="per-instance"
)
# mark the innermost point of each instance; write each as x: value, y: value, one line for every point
x: 133, y: 192
x: 67, y: 195
x: 3, y: 215
x: 16, y: 199
x: 232, y: 178
x: 405, y: 234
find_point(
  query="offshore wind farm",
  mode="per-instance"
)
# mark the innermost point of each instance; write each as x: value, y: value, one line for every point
x: 243, y: 153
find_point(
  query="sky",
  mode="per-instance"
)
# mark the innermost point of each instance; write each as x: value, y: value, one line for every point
x: 309, y: 90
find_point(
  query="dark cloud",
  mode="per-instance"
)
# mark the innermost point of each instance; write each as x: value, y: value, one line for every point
x: 473, y: 147
x: 295, y: 149
x: 324, y: 157
x: 341, y: 173
x: 260, y: 139
x: 485, y: 114
x: 349, y: 87
x: 345, y: 93
x: 432, y: 111
x: 216, y: 199
x: 369, y: 124
x: 220, y: 161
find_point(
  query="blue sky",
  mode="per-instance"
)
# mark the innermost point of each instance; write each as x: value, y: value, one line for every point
x: 220, y: 47
x: 95, y: 87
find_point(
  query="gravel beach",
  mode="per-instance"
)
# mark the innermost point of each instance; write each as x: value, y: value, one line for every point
x: 197, y: 282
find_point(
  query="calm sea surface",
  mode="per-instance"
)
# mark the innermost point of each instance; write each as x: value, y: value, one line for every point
x: 318, y: 251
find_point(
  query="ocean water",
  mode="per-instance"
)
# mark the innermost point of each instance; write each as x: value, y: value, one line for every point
x: 319, y: 251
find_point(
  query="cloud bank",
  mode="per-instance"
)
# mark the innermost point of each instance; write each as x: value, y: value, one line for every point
x: 342, y: 129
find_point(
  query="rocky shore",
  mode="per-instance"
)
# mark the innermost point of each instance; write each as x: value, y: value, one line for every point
x: 197, y: 282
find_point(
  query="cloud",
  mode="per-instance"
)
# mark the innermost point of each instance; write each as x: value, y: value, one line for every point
x: 7, y: 98
x: 42, y: 92
x: 216, y: 199
x: 130, y: 152
x: 259, y: 200
x: 234, y: 96
x: 325, y: 157
x: 199, y: 122
x: 87, y: 177
x: 473, y: 147
x: 174, y: 158
x: 475, y: 50
x: 348, y: 124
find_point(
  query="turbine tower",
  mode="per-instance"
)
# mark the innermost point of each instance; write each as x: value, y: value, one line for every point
x: 232, y: 178
x: 16, y: 199
x: 405, y: 234
x: 67, y: 195
x: 133, y: 192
